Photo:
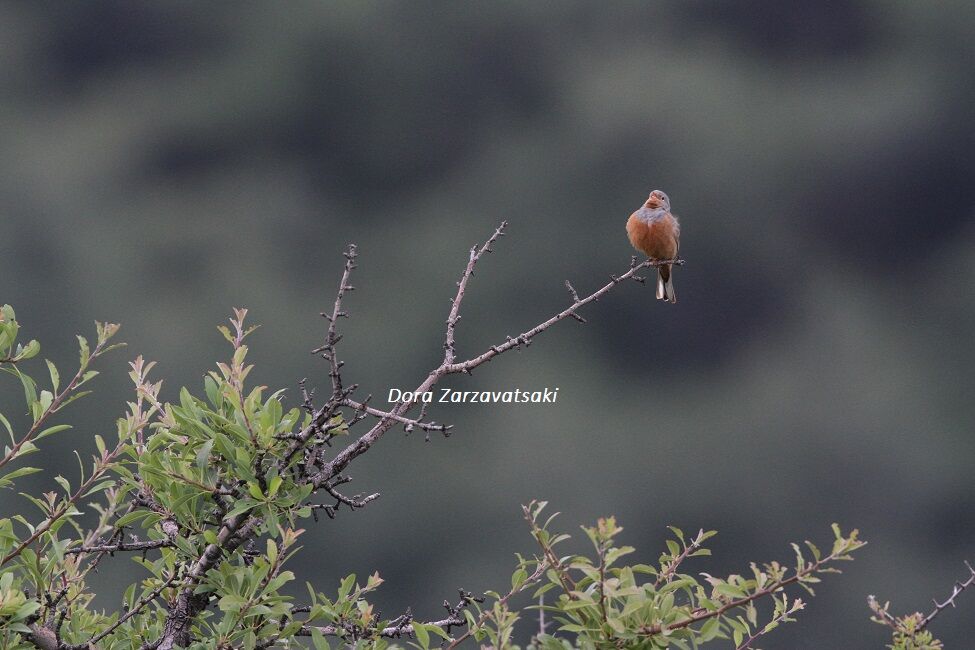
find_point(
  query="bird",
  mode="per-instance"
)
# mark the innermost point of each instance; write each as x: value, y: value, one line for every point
x: 655, y: 232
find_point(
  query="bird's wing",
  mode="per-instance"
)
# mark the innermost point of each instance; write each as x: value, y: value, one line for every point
x: 676, y: 232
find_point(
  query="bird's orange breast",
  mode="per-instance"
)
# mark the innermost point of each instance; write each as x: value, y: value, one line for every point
x: 657, y: 239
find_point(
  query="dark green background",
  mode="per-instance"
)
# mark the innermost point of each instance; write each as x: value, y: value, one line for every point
x: 164, y: 162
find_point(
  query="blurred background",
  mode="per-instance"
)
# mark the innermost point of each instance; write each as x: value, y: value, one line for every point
x: 165, y: 162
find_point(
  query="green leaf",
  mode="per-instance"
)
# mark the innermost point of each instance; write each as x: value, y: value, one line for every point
x: 346, y: 587
x: 130, y: 517
x: 63, y: 482
x: 616, y: 624
x: 273, y: 485
x: 57, y: 428
x: 6, y: 425
x: 55, y: 376
x: 666, y: 604
x: 518, y: 578
x: 617, y: 553
x: 29, y: 351
x: 320, y: 642
x: 83, y: 351
x: 815, y: 550
x: 836, y: 530
x: 203, y: 455
x: 27, y: 448
x: 710, y: 629
x: 422, y: 635
x: 732, y: 591
x: 242, y: 506
x: 223, y: 329
x: 231, y: 603
x: 751, y: 614
x: 20, y: 471
x: 73, y: 397
x: 30, y: 388
x: 100, y: 487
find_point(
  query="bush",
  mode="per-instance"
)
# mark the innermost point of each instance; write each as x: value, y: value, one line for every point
x: 209, y: 494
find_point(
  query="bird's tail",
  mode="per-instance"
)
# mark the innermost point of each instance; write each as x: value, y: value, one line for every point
x: 665, y: 284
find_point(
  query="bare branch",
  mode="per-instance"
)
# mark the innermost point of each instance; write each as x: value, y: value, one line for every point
x: 364, y: 442
x: 528, y: 582
x: 526, y: 337
x: 454, y: 316
x: 352, y: 502
x: 327, y: 350
x: 390, y: 632
x: 955, y: 592
x: 408, y: 422
x: 121, y: 546
x: 398, y: 627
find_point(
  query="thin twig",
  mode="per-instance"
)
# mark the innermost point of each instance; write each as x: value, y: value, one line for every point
x: 56, y: 402
x: 781, y: 617
x: 526, y: 337
x: 390, y: 632
x: 327, y: 350
x: 568, y: 584
x: 145, y: 600
x: 668, y: 572
x: 352, y: 502
x: 365, y: 442
x: 955, y: 592
x: 778, y: 585
x: 454, y: 316
x: 121, y: 546
x: 541, y: 615
x: 103, y: 464
x: 410, y: 422
x: 528, y: 582
x: 882, y: 615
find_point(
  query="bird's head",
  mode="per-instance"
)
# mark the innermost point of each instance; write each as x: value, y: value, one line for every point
x: 658, y: 200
